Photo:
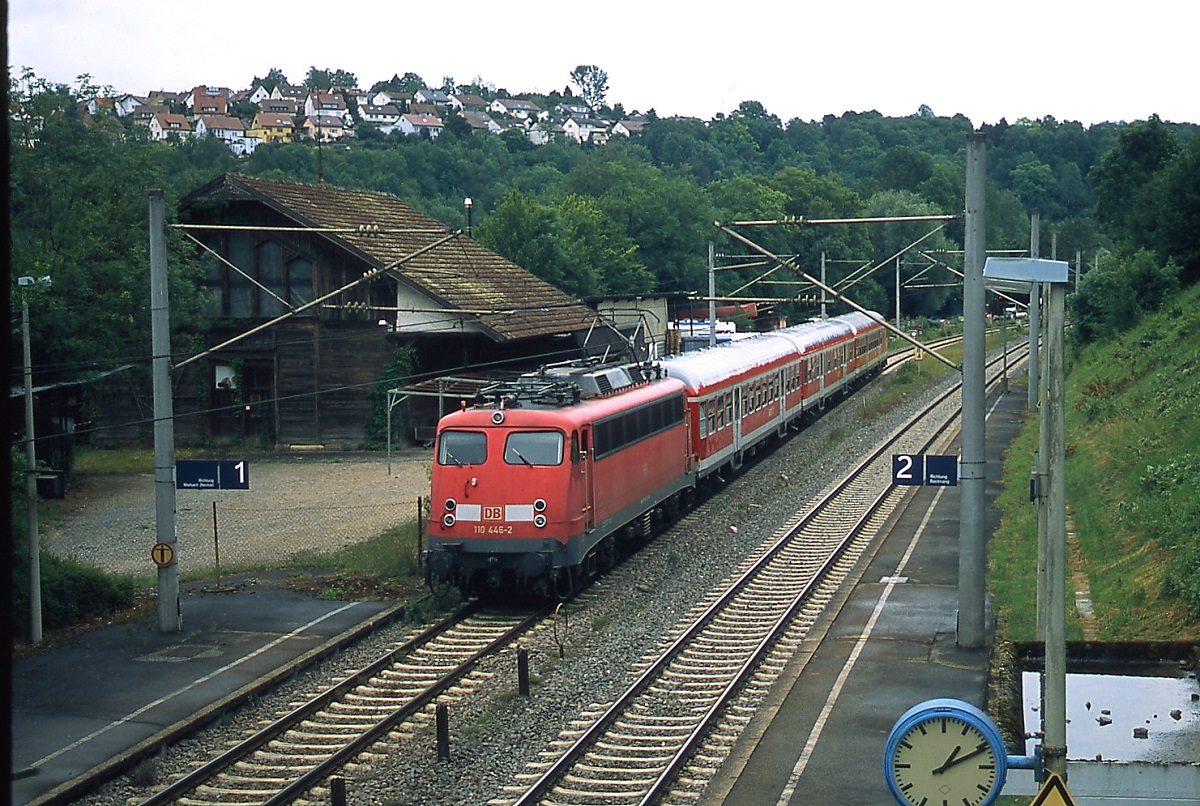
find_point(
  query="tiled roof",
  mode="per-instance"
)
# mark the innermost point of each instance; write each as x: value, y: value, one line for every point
x: 459, y: 273
x: 223, y: 122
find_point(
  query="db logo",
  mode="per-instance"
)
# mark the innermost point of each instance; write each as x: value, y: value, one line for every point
x: 493, y: 513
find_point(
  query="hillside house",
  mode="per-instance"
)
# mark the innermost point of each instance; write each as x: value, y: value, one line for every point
x: 400, y: 99
x: 326, y: 103
x: 386, y: 118
x: 515, y: 107
x: 330, y: 308
x: 164, y: 126
x: 297, y: 94
x: 144, y: 113
x: 628, y: 128
x: 542, y: 132
x: 269, y: 127
x: 120, y: 105
x: 586, y: 130
x: 323, y: 127
x: 432, y: 97
x: 481, y: 121
x: 230, y: 130
x: 280, y: 106
x: 166, y: 98
x: 419, y: 124
x: 574, y: 109
x: 222, y: 127
x: 208, y: 101
x: 468, y: 101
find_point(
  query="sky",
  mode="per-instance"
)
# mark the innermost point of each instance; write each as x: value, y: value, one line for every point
x: 1067, y: 59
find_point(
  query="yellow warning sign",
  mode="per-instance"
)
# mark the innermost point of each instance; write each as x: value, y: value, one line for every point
x: 163, y: 554
x: 1053, y: 793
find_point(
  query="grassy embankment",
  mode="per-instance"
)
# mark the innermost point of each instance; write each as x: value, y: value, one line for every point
x: 1133, y: 467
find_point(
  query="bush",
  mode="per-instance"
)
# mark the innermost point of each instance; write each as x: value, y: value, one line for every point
x: 72, y: 593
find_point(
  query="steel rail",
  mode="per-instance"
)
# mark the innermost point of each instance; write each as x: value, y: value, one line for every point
x: 219, y: 764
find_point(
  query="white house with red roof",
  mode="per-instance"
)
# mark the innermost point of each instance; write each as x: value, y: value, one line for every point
x: 165, y: 124
x: 421, y: 124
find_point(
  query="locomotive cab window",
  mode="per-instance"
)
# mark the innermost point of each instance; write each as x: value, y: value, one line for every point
x: 533, y: 448
x: 462, y: 448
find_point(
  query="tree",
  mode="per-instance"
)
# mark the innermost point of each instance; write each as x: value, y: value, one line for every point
x: 274, y: 78
x: 592, y: 83
x: 328, y: 79
x: 903, y: 168
x: 1033, y: 181
x: 1122, y: 179
x: 409, y: 82
x: 1109, y: 300
x: 1178, y: 228
x: 78, y: 212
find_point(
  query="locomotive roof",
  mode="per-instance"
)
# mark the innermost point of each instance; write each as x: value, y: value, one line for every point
x: 718, y: 363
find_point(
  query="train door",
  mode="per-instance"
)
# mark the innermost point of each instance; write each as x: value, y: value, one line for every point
x: 589, y: 478
x: 739, y: 413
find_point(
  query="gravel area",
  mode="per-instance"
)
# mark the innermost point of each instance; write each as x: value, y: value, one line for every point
x: 303, y: 502
x: 609, y: 629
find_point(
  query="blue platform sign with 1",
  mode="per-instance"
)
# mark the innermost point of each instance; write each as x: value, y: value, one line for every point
x: 212, y: 475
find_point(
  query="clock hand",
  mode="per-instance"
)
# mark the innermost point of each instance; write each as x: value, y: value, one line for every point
x: 982, y: 747
x: 949, y: 760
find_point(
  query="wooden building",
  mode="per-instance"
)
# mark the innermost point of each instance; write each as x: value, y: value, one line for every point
x: 312, y: 289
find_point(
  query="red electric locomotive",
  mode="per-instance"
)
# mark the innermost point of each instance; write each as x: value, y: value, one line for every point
x: 532, y: 488
x: 534, y: 485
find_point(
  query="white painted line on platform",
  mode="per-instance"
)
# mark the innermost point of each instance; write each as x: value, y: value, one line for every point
x: 811, y: 745
x: 132, y: 716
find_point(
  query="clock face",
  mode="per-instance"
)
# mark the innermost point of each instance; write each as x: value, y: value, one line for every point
x: 944, y: 760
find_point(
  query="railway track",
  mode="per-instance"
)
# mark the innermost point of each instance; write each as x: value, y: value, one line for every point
x: 636, y: 749
x: 298, y: 751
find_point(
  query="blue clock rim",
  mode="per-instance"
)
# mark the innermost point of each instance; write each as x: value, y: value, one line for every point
x: 947, y: 707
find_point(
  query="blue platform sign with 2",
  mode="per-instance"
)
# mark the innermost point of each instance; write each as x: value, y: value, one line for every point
x: 228, y: 474
x: 915, y: 469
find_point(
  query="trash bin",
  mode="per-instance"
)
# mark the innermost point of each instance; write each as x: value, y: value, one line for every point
x: 51, y: 484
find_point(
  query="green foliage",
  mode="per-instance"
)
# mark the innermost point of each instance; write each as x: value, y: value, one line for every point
x: 1133, y: 466
x: 78, y: 202
x: 592, y: 83
x: 399, y: 369
x: 325, y: 79
x: 1177, y: 223
x: 1111, y: 299
x: 72, y: 592
x: 570, y: 244
x: 1124, y: 179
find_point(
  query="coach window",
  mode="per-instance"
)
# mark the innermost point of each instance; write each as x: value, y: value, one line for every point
x: 533, y: 448
x: 462, y: 448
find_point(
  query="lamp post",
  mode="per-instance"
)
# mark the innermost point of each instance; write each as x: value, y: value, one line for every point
x: 35, y: 560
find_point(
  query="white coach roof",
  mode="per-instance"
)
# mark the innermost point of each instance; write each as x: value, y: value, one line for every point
x: 715, y: 364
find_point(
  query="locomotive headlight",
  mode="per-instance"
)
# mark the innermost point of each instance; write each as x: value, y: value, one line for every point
x: 497, y: 417
x: 539, y: 521
x: 448, y: 520
x: 539, y: 505
x: 451, y: 504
